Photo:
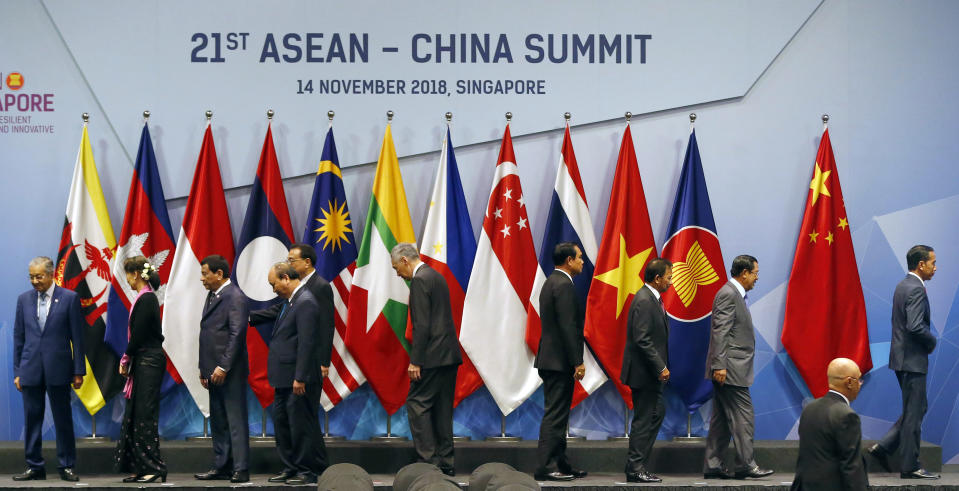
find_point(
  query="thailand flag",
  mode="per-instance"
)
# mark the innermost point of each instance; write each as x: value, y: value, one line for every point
x: 568, y: 221
x: 449, y: 247
x: 264, y: 241
x: 146, y: 232
x: 205, y: 231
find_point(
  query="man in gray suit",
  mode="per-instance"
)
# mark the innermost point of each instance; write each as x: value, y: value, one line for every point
x: 912, y: 342
x: 729, y: 364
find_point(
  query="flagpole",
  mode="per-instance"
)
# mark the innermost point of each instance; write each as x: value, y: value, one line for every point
x: 625, y: 436
x: 825, y: 122
x: 389, y: 436
x: 503, y: 437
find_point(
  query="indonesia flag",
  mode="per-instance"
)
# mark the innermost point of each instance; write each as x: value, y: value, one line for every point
x: 568, y: 221
x: 505, y: 277
x: 449, y: 247
x: 205, y: 231
x: 264, y: 241
x: 146, y: 232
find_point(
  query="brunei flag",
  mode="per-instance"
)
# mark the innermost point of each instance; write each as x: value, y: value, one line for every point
x: 87, y: 246
x: 378, y: 300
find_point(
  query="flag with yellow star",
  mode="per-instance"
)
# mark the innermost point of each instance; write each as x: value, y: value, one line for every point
x: 825, y: 311
x: 626, y: 247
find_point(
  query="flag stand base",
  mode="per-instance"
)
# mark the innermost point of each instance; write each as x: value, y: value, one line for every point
x: 503, y: 438
x: 206, y: 434
x: 262, y: 439
x: 689, y: 439
x: 620, y: 438
x: 458, y: 438
x: 573, y: 438
x: 388, y: 437
x: 93, y: 437
x: 333, y: 438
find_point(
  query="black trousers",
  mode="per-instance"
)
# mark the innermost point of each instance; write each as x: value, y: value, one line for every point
x: 299, y: 440
x: 228, y: 423
x: 34, y: 405
x: 429, y: 408
x: 557, y: 397
x: 906, y: 433
x: 648, y: 413
x: 138, y: 449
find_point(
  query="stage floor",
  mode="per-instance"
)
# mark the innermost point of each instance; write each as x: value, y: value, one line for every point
x: 950, y: 480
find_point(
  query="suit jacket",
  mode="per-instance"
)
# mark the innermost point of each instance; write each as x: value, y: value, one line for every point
x: 912, y: 339
x: 45, y: 358
x: 647, y: 341
x: 830, y: 447
x: 323, y: 294
x: 223, y: 333
x: 732, y: 342
x: 561, y: 343
x: 293, y: 353
x: 434, y: 334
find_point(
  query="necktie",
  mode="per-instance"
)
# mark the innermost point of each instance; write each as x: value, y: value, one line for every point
x: 662, y: 305
x: 286, y: 306
x: 43, y: 310
x: 209, y: 301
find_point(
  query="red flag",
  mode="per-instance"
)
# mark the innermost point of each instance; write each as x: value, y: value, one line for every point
x: 825, y: 310
x: 627, y: 246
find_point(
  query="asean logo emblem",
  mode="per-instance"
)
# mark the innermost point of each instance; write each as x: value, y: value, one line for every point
x: 14, y: 81
x: 698, y: 273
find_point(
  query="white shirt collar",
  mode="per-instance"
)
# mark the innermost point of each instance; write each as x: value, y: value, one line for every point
x: 655, y: 291
x: 417, y: 268
x: 841, y: 395
x: 739, y: 288
x: 295, y: 290
x: 920, y: 279
x: 218, y: 290
x: 307, y: 277
x: 567, y: 274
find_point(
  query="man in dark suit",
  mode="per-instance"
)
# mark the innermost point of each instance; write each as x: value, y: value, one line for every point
x: 293, y: 369
x: 830, y: 435
x: 645, y: 367
x: 47, y: 321
x: 434, y: 359
x: 559, y: 360
x: 729, y: 364
x: 224, y: 370
x: 912, y: 342
x: 302, y: 258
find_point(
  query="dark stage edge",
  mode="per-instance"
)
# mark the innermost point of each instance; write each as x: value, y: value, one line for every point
x: 603, y: 457
x: 597, y: 482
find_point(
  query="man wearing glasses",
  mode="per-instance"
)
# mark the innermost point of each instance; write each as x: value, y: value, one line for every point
x: 830, y: 435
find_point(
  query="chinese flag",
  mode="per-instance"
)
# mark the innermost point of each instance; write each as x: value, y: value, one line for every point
x: 825, y: 311
x: 626, y: 247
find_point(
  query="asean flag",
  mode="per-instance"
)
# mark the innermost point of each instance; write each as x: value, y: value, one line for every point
x: 264, y: 241
x: 205, y: 231
x: 568, y: 221
x: 698, y: 273
x: 146, y: 232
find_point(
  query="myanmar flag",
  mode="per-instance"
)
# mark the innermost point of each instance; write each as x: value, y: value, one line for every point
x: 376, y: 322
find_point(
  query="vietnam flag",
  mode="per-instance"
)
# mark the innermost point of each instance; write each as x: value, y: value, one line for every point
x: 379, y: 299
x: 825, y: 310
x: 626, y: 247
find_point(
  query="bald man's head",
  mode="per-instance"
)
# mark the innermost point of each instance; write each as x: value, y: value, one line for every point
x: 844, y: 377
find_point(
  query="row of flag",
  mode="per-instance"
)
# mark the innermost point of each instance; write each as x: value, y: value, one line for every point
x: 494, y: 280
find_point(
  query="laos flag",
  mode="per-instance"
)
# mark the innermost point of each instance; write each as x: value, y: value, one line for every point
x: 146, y: 232
x: 698, y: 273
x: 264, y: 241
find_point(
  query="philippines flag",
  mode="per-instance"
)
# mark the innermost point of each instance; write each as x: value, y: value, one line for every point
x: 205, y: 231
x: 449, y: 247
x: 264, y: 241
x: 568, y: 221
x: 505, y: 277
x: 698, y: 273
x: 328, y: 230
x: 146, y: 232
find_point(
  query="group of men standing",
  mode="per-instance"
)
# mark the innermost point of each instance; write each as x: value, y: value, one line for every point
x: 49, y: 322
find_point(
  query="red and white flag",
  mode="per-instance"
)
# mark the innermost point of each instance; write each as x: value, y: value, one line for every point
x: 205, y: 231
x: 505, y: 276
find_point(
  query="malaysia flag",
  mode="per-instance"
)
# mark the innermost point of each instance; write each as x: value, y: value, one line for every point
x: 449, y: 247
x: 205, y: 231
x: 264, y: 241
x: 505, y: 277
x: 568, y: 221
x: 146, y: 232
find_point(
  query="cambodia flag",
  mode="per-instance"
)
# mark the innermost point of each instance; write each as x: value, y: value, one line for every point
x: 449, y: 247
x: 698, y: 273
x: 568, y: 221
x: 264, y: 241
x: 146, y: 232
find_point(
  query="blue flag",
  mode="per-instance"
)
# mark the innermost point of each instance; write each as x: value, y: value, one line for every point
x: 698, y: 273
